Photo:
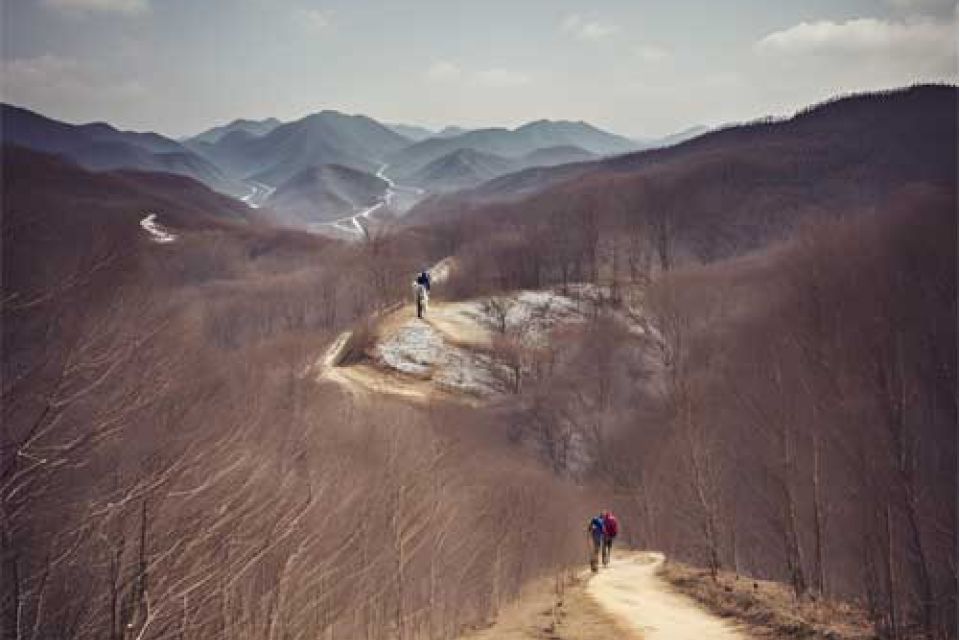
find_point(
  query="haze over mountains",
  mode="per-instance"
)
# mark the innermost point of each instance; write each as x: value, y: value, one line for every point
x: 324, y: 193
x: 254, y: 127
x: 329, y: 165
x: 736, y: 189
x: 101, y: 147
x: 328, y: 137
x: 466, y: 167
x: 249, y: 158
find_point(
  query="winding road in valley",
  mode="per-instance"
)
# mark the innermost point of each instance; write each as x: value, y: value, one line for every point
x: 351, y: 224
x: 259, y: 193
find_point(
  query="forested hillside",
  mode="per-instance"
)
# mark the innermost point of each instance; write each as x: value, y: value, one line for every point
x: 754, y: 365
x: 168, y: 468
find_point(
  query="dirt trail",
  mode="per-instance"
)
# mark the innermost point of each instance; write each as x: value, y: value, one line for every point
x: 460, y: 350
x: 626, y: 600
x: 418, y: 341
x: 631, y: 591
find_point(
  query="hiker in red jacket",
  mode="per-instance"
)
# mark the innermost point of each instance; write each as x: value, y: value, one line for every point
x: 610, y: 530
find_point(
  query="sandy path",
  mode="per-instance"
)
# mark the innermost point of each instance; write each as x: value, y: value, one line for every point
x: 630, y: 590
x: 366, y: 380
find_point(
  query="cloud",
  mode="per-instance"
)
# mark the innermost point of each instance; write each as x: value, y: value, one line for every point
x: 315, y: 20
x: 923, y: 37
x: 442, y: 71
x: 128, y: 7
x: 583, y: 29
x: 50, y: 82
x: 496, y: 78
x: 651, y: 53
x: 935, y: 6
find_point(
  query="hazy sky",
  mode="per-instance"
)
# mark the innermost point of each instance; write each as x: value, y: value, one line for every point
x: 634, y: 66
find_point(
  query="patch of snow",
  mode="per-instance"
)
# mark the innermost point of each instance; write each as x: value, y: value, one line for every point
x: 629, y: 312
x: 456, y: 348
x: 441, y: 271
x: 415, y: 348
x: 420, y: 350
x: 151, y: 226
x: 530, y: 315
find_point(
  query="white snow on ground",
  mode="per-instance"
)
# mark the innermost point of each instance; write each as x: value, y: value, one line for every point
x: 415, y: 348
x: 535, y: 313
x: 441, y: 271
x: 629, y: 313
x: 530, y: 316
x: 151, y: 226
x: 418, y: 349
x: 425, y: 349
x: 456, y: 346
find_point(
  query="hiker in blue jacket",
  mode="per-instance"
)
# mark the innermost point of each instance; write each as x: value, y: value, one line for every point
x: 424, y: 280
x: 595, y: 529
x: 421, y: 290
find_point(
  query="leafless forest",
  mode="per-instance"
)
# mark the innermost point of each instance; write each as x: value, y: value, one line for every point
x: 169, y: 468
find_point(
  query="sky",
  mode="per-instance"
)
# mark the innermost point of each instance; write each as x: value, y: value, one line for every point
x: 640, y: 68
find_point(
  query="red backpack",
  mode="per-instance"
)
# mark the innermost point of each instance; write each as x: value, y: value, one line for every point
x: 610, y: 526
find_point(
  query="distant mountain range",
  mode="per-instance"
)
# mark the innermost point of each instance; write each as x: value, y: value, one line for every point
x: 412, y: 132
x: 253, y: 127
x: 674, y: 138
x: 328, y: 137
x: 451, y: 131
x: 460, y: 169
x: 466, y: 167
x: 322, y: 165
x: 100, y: 147
x: 733, y: 190
x: 508, y: 143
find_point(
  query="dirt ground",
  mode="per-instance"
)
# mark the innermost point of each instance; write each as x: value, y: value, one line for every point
x: 632, y: 590
x: 630, y: 600
x: 540, y: 614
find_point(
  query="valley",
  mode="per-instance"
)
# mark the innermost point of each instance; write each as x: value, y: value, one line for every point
x: 222, y: 417
x: 396, y: 197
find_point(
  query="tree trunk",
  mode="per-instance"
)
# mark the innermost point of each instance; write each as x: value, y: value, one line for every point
x: 891, y: 580
x: 820, y: 586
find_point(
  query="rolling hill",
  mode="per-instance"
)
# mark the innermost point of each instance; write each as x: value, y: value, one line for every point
x: 673, y: 138
x: 509, y: 143
x: 460, y: 169
x: 466, y: 168
x: 552, y: 156
x: 415, y: 133
x: 101, y: 147
x: 737, y: 189
x: 253, y: 127
x: 324, y: 193
x: 328, y: 137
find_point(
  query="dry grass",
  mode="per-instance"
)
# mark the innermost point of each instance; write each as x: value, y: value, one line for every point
x: 768, y: 609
